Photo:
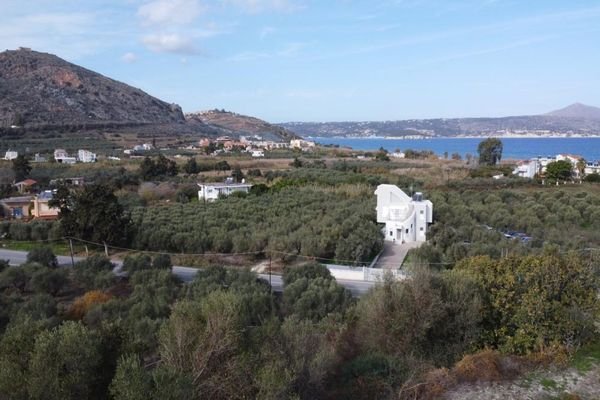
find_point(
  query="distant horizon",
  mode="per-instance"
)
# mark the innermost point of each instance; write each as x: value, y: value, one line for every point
x: 310, y: 61
x: 398, y: 119
x: 408, y: 119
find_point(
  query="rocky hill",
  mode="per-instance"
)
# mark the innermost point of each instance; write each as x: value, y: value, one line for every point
x: 576, y: 119
x: 236, y: 124
x: 39, y: 89
x: 42, y: 92
x: 577, y: 110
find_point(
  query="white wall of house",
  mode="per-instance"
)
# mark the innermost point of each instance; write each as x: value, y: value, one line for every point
x: 527, y: 169
x: 363, y: 273
x: 592, y: 168
x: 212, y: 192
x: 301, y: 144
x: 60, y: 153
x: 11, y: 155
x: 66, y: 160
x: 406, y: 219
x: 86, y: 156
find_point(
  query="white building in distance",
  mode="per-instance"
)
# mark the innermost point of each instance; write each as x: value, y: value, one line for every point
x: 214, y: 191
x: 538, y: 165
x: 61, y: 156
x: 527, y: 169
x: 592, y: 167
x: 86, y: 156
x: 11, y: 155
x: 302, y: 144
x: 406, y: 219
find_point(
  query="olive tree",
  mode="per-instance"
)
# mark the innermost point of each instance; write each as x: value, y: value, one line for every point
x: 490, y: 151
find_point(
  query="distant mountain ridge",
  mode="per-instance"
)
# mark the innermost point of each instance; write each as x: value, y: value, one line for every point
x: 574, y: 120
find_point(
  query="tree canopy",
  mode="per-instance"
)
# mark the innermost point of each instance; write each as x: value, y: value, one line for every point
x: 560, y: 170
x: 160, y: 166
x: 21, y: 167
x: 93, y: 214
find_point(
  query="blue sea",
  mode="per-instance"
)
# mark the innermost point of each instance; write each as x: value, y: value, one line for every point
x: 514, y: 148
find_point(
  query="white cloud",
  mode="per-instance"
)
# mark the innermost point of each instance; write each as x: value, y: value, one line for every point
x: 170, y: 12
x: 256, y: 6
x: 69, y: 35
x: 129, y: 58
x: 170, y: 43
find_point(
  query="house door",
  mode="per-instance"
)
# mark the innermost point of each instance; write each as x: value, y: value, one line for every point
x: 400, y: 235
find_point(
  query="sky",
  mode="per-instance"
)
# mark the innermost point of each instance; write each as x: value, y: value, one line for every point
x: 329, y: 60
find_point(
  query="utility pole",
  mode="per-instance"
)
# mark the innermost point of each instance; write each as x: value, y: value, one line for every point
x: 71, y: 248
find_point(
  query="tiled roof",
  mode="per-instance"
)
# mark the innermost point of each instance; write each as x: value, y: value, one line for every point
x: 27, y: 182
x: 19, y: 199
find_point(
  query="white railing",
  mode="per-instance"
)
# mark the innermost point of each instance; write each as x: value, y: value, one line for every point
x: 363, y: 273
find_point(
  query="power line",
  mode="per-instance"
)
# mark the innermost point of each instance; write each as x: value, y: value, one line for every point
x: 352, y: 263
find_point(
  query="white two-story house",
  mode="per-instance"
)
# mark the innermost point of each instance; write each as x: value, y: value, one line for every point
x: 406, y: 219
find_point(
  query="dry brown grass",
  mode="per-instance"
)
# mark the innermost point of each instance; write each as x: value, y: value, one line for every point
x: 83, y: 304
x: 554, y: 354
x: 485, y: 365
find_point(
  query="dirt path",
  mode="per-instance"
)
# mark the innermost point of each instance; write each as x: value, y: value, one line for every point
x: 540, y: 385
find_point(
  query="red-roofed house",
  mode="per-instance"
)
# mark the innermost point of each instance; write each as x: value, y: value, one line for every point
x: 26, y: 185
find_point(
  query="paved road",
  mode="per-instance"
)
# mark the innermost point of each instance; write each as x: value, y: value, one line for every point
x: 16, y: 257
x: 186, y: 274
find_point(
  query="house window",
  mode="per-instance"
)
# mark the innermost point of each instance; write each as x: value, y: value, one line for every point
x: 407, y: 231
x: 422, y: 212
x: 391, y: 233
x: 421, y: 229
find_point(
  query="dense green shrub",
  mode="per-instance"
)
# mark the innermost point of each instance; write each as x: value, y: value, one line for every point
x: 42, y: 255
x: 536, y: 301
x: 162, y: 261
x: 20, y: 231
x: 94, y: 272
